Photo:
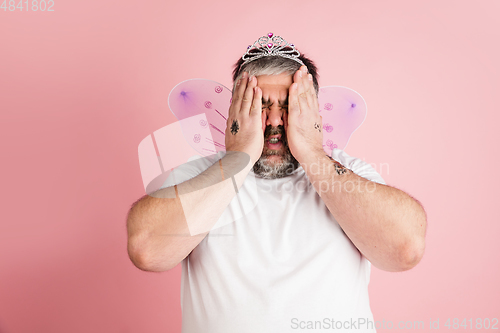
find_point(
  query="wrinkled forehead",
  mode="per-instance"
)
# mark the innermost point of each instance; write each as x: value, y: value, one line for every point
x: 261, y: 73
x: 275, y: 88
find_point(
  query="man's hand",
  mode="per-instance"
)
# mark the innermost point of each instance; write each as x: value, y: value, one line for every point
x: 304, y: 124
x: 245, y: 123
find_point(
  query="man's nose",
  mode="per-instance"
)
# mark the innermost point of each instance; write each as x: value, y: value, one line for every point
x: 274, y: 116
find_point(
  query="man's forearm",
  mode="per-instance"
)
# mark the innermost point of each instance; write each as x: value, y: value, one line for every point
x: 163, y: 228
x: 384, y: 223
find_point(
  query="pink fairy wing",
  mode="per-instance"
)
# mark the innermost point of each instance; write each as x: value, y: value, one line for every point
x: 343, y: 111
x: 200, y: 96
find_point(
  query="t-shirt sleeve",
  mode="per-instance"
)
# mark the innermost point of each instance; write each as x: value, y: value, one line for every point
x: 358, y: 166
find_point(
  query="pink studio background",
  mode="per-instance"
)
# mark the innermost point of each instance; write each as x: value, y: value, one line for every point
x: 80, y: 87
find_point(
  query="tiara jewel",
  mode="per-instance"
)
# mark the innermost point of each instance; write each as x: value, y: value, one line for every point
x: 270, y: 45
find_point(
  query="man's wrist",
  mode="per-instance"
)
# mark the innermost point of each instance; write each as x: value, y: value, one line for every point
x: 316, y: 163
x: 339, y: 168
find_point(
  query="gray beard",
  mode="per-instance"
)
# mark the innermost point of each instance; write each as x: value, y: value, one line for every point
x: 264, y: 168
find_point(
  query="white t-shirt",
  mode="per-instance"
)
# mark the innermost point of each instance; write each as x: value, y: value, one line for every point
x: 284, y: 265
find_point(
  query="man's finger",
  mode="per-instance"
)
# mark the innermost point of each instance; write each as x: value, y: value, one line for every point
x: 299, y: 78
x: 311, y: 96
x: 256, y: 108
x: 246, y: 102
x: 302, y: 78
x: 293, y: 100
x: 306, y: 94
x: 302, y: 93
x: 241, y: 85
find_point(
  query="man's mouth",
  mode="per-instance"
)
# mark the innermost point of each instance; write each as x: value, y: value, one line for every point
x: 274, y: 138
x: 274, y: 142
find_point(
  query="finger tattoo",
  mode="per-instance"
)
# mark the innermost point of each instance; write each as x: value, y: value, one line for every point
x: 316, y: 126
x: 235, y: 127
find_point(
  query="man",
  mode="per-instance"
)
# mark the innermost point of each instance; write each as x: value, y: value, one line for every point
x: 301, y: 258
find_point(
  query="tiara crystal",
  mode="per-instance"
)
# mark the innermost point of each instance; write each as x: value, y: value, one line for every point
x: 268, y: 46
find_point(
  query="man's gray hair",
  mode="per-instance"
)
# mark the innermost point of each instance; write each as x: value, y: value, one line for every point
x: 274, y: 65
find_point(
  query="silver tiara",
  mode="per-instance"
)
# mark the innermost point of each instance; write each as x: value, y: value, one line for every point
x: 270, y: 45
